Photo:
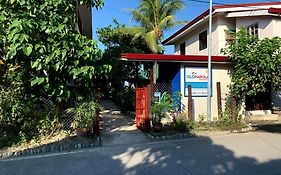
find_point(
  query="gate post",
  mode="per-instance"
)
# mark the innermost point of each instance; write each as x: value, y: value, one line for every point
x: 219, y: 99
x: 189, y: 105
x: 147, y: 117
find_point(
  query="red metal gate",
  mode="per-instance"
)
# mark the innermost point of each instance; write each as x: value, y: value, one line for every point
x: 142, y: 107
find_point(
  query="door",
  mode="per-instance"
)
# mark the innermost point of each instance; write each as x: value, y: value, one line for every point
x: 142, y: 113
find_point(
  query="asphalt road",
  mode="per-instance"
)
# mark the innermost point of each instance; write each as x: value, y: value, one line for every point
x: 257, y: 153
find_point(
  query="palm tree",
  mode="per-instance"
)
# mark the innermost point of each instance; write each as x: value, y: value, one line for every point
x: 154, y: 17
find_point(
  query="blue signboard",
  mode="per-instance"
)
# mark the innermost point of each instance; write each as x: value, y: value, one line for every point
x: 197, y: 78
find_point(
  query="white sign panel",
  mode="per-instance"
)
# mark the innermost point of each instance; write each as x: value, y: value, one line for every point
x: 197, y: 78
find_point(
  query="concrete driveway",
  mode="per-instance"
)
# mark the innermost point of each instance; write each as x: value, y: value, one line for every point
x: 257, y: 153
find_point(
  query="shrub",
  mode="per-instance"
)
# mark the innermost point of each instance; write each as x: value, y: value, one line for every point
x: 85, y: 113
x: 125, y: 98
x: 182, y: 123
x: 22, y: 118
x: 160, y: 109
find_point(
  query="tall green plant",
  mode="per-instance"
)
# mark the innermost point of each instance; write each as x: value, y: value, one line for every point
x: 85, y: 113
x: 159, y: 109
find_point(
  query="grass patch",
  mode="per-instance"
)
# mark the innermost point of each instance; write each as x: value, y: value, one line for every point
x: 168, y: 130
x: 218, y: 126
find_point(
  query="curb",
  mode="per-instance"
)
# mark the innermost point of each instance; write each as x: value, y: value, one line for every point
x: 243, y: 130
x: 198, y: 133
x: 47, y: 149
x: 173, y: 136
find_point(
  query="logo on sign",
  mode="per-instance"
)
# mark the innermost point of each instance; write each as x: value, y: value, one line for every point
x: 194, y: 75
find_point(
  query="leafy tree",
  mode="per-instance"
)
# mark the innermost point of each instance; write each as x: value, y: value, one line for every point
x: 118, y: 40
x: 155, y: 16
x: 256, y: 64
x: 40, y: 44
x: 41, y: 53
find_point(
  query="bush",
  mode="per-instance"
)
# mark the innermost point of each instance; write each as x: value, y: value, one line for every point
x: 85, y: 113
x: 182, y: 123
x: 125, y: 98
x: 22, y: 118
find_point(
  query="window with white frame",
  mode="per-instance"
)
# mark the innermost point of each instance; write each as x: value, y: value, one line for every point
x: 253, y: 30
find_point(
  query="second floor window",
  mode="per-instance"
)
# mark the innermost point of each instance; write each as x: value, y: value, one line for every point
x: 253, y: 30
x: 203, y: 40
x: 182, y: 48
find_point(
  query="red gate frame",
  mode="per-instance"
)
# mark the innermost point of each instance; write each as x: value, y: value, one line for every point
x: 142, y: 108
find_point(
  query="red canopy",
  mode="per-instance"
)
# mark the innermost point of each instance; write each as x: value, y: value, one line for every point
x: 172, y: 58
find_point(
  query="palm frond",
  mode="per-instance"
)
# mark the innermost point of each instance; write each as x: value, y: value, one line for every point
x: 151, y: 40
x: 132, y: 30
x: 142, y: 19
x: 156, y: 16
x: 170, y: 7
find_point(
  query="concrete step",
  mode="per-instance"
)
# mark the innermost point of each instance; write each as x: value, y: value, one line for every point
x: 263, y: 117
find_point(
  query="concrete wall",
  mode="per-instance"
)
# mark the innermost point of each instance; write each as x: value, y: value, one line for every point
x: 224, y: 24
x: 265, y: 24
x: 277, y: 27
x: 268, y: 27
x: 220, y: 24
x: 192, y: 40
x: 220, y: 74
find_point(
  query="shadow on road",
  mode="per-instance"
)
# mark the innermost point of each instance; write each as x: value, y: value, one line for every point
x: 273, y: 128
x: 191, y: 156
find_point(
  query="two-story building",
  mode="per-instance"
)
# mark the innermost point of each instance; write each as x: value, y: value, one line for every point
x: 189, y: 64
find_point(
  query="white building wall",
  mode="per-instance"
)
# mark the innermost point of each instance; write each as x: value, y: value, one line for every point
x: 220, y: 24
x: 224, y: 24
x: 277, y: 27
x: 192, y: 40
x: 220, y: 74
x: 268, y: 27
x: 265, y: 24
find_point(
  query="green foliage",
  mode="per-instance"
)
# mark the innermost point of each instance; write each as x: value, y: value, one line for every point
x: 48, y: 123
x: 256, y: 64
x: 160, y: 109
x: 84, y: 114
x: 155, y: 16
x: 125, y: 98
x: 118, y: 40
x: 177, y: 101
x: 22, y: 118
x: 202, y: 117
x: 41, y: 53
x: 40, y: 38
x: 182, y: 123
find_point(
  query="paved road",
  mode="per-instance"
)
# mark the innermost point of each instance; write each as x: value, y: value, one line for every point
x: 255, y: 153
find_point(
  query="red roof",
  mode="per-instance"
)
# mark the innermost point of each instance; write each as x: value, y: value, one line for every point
x: 274, y: 11
x: 206, y: 13
x: 168, y: 58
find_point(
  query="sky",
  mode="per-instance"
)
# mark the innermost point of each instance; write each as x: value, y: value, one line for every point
x: 118, y: 9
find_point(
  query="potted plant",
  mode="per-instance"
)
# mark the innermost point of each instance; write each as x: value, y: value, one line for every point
x: 159, y: 110
x: 85, y: 113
